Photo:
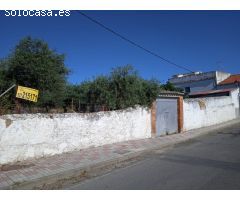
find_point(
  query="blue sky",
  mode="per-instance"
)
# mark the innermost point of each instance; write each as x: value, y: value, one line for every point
x: 199, y: 40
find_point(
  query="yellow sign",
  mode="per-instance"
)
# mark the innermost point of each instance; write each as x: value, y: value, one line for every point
x: 27, y: 93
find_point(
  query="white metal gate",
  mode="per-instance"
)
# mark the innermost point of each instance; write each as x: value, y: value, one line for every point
x: 166, y: 116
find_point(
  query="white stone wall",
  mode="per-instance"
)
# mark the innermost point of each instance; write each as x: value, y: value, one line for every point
x: 236, y: 99
x: 36, y: 135
x: 202, y: 112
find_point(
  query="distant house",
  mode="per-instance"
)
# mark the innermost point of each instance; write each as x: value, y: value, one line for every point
x: 199, y: 81
x: 231, y: 92
x: 231, y: 82
x: 211, y: 93
x: 210, y: 84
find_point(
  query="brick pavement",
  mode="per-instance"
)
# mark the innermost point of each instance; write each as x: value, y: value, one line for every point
x: 57, y: 164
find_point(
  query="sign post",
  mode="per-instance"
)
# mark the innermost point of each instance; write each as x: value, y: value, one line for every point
x: 8, y: 90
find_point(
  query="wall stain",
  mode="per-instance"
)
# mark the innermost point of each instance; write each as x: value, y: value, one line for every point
x: 202, y: 104
x: 8, y: 122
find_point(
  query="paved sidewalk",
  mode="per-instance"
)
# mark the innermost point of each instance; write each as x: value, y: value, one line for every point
x: 40, y: 172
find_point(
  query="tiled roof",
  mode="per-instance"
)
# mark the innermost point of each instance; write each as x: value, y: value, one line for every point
x: 231, y: 79
x: 170, y: 93
x: 210, y: 92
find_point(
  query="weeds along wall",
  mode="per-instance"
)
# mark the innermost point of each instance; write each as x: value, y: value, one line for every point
x: 37, y: 135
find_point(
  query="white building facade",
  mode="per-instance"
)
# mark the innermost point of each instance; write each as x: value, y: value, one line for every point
x: 198, y: 81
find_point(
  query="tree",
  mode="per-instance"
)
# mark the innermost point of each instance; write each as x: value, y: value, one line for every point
x: 152, y: 88
x: 170, y: 87
x: 33, y: 64
x: 130, y: 89
x: 125, y: 86
x: 2, y: 76
x: 99, y: 92
x: 122, y: 88
x: 5, y: 101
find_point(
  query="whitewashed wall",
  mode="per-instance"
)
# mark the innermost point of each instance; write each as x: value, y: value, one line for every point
x: 202, y: 112
x: 236, y: 99
x: 38, y: 135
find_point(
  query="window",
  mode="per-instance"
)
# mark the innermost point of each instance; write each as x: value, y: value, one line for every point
x: 187, y: 89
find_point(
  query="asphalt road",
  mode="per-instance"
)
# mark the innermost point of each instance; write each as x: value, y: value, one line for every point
x: 208, y: 162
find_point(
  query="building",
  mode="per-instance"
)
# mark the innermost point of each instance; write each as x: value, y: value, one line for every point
x: 231, y: 82
x: 198, y: 81
x: 210, y: 84
x: 211, y: 93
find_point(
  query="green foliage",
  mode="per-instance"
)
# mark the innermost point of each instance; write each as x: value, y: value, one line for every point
x: 152, y: 89
x: 6, y: 102
x: 170, y: 87
x: 126, y: 86
x: 3, y: 72
x: 122, y: 88
x: 33, y: 64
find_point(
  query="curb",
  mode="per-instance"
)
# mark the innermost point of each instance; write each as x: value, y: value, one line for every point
x: 56, y: 181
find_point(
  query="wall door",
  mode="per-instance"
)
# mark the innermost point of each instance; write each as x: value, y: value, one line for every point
x: 166, y: 116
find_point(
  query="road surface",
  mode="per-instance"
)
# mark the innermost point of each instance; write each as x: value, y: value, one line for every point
x: 208, y: 162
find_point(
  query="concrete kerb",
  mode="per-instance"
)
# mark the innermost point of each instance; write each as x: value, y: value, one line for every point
x: 56, y: 181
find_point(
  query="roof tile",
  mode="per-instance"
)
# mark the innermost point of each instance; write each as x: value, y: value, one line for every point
x: 231, y: 79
